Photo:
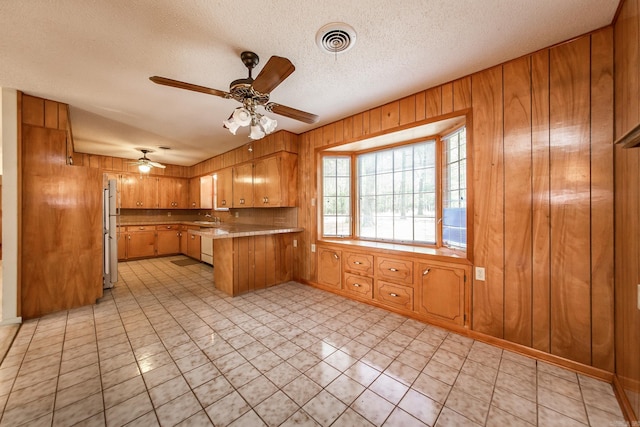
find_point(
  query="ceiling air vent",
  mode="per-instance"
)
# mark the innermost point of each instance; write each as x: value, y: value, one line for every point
x: 336, y: 37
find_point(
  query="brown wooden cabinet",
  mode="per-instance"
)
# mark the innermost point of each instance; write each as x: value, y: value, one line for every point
x: 168, y: 239
x: 223, y: 189
x: 173, y: 193
x: 243, y: 186
x: 193, y: 244
x: 275, y: 181
x: 122, y: 243
x: 194, y: 193
x: 206, y: 192
x: 361, y: 286
x: 141, y: 242
x: 394, y: 295
x: 139, y: 191
x: 329, y: 267
x: 184, y: 234
x: 442, y: 291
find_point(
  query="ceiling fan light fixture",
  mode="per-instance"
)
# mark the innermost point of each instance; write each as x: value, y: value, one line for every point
x: 242, y: 116
x: 144, y: 168
x: 268, y: 124
x: 256, y: 132
x: 231, y: 124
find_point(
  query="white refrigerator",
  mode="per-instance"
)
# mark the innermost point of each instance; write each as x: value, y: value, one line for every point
x: 110, y: 227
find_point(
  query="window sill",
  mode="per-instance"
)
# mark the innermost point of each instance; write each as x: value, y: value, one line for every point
x: 454, y: 255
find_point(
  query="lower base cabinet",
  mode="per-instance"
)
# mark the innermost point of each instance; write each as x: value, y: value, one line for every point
x: 434, y: 290
x: 193, y: 244
x: 168, y: 242
x: 141, y: 242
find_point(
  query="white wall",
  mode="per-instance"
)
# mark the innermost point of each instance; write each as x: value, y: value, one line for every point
x: 9, y: 170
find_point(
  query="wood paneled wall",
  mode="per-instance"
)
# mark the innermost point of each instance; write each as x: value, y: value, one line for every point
x: 627, y: 203
x: 119, y: 164
x: 61, y: 216
x: 542, y: 138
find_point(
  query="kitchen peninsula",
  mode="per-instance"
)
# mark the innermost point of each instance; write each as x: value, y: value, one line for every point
x: 250, y: 257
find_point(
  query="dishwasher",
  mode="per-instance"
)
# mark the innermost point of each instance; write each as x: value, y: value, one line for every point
x: 206, y: 250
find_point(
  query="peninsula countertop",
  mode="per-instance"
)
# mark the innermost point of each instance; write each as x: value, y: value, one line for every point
x: 227, y: 231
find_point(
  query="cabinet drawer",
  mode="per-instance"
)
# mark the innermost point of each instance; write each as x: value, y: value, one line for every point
x: 140, y: 228
x: 397, y: 270
x: 358, y: 263
x: 167, y: 227
x: 358, y: 285
x: 393, y: 295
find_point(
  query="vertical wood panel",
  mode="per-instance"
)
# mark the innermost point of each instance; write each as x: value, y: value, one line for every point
x: 357, y: 129
x: 602, y: 270
x: 375, y: 120
x: 488, y: 297
x: 570, y: 200
x: 447, y: 98
x: 462, y: 94
x: 541, y: 264
x: 32, y: 111
x: 421, y: 106
x: 50, y: 114
x: 347, y: 128
x: 339, y: 131
x: 407, y: 110
x: 517, y: 201
x: 390, y: 116
x: 433, y: 100
x: 328, y: 134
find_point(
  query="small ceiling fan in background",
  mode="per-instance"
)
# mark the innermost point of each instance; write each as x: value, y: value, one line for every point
x: 251, y: 94
x: 144, y: 164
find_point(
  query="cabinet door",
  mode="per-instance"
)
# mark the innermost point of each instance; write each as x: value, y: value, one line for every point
x: 181, y: 193
x: 129, y: 189
x: 194, y: 193
x: 166, y: 193
x: 243, y: 186
x: 329, y: 267
x: 223, y: 195
x: 184, y: 234
x: 193, y: 246
x: 266, y: 182
x: 206, y: 192
x: 122, y: 243
x: 168, y: 239
x: 141, y: 243
x: 442, y: 292
x: 148, y: 192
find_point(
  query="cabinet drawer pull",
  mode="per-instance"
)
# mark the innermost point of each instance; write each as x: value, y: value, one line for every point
x: 357, y: 285
x: 335, y: 255
x: 140, y: 228
x: 242, y: 201
x: 393, y: 295
x: 168, y: 227
x: 193, y: 237
x: 193, y: 204
x: 357, y: 262
x: 224, y: 202
x: 393, y: 269
x: 424, y: 273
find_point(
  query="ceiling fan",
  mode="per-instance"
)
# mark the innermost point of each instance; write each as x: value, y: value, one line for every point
x: 144, y: 164
x: 251, y: 94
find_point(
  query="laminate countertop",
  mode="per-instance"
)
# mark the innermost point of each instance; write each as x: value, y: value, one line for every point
x: 228, y: 231
x: 212, y: 230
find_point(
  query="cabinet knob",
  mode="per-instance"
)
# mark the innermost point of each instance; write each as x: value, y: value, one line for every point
x: 393, y: 269
x: 193, y: 237
x: 193, y: 204
x: 224, y: 202
x: 357, y: 285
x: 140, y: 228
x: 335, y: 255
x: 393, y: 295
x: 168, y: 227
x: 242, y: 201
x: 424, y: 273
x: 357, y: 262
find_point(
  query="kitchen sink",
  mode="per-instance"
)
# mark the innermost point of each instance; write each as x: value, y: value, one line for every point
x: 209, y: 223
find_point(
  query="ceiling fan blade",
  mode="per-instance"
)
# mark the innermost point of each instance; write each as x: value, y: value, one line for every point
x: 156, y: 164
x: 292, y: 113
x: 272, y: 74
x: 188, y: 86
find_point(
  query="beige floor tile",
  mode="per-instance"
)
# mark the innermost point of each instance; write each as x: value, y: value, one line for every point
x: 78, y: 411
x: 324, y: 408
x: 178, y: 409
x: 227, y: 409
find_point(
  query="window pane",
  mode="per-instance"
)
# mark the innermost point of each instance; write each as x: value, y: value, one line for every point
x: 454, y: 205
x: 384, y: 183
x: 384, y: 161
x: 403, y: 182
x: 367, y: 164
x: 336, y: 201
x: 368, y: 185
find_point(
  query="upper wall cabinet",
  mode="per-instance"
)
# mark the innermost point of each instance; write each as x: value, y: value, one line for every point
x: 173, y: 193
x: 201, y: 192
x: 223, y: 194
x: 268, y: 182
x: 139, y: 191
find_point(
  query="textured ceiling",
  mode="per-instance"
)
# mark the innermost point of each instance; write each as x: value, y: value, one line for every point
x: 97, y: 56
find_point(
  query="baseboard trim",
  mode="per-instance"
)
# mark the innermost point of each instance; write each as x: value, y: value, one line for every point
x: 11, y: 321
x: 625, y: 405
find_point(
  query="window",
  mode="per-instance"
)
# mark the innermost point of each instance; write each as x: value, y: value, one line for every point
x: 454, y: 190
x: 413, y: 193
x: 397, y: 193
x: 336, y: 196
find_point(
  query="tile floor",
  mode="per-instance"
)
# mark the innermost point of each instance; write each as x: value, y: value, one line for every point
x: 165, y: 348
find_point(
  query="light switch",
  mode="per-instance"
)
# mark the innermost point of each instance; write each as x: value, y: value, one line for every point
x: 480, y: 273
x: 295, y: 243
x: 313, y: 247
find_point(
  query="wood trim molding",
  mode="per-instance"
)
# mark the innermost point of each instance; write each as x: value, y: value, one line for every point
x: 625, y: 405
x: 631, y: 139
